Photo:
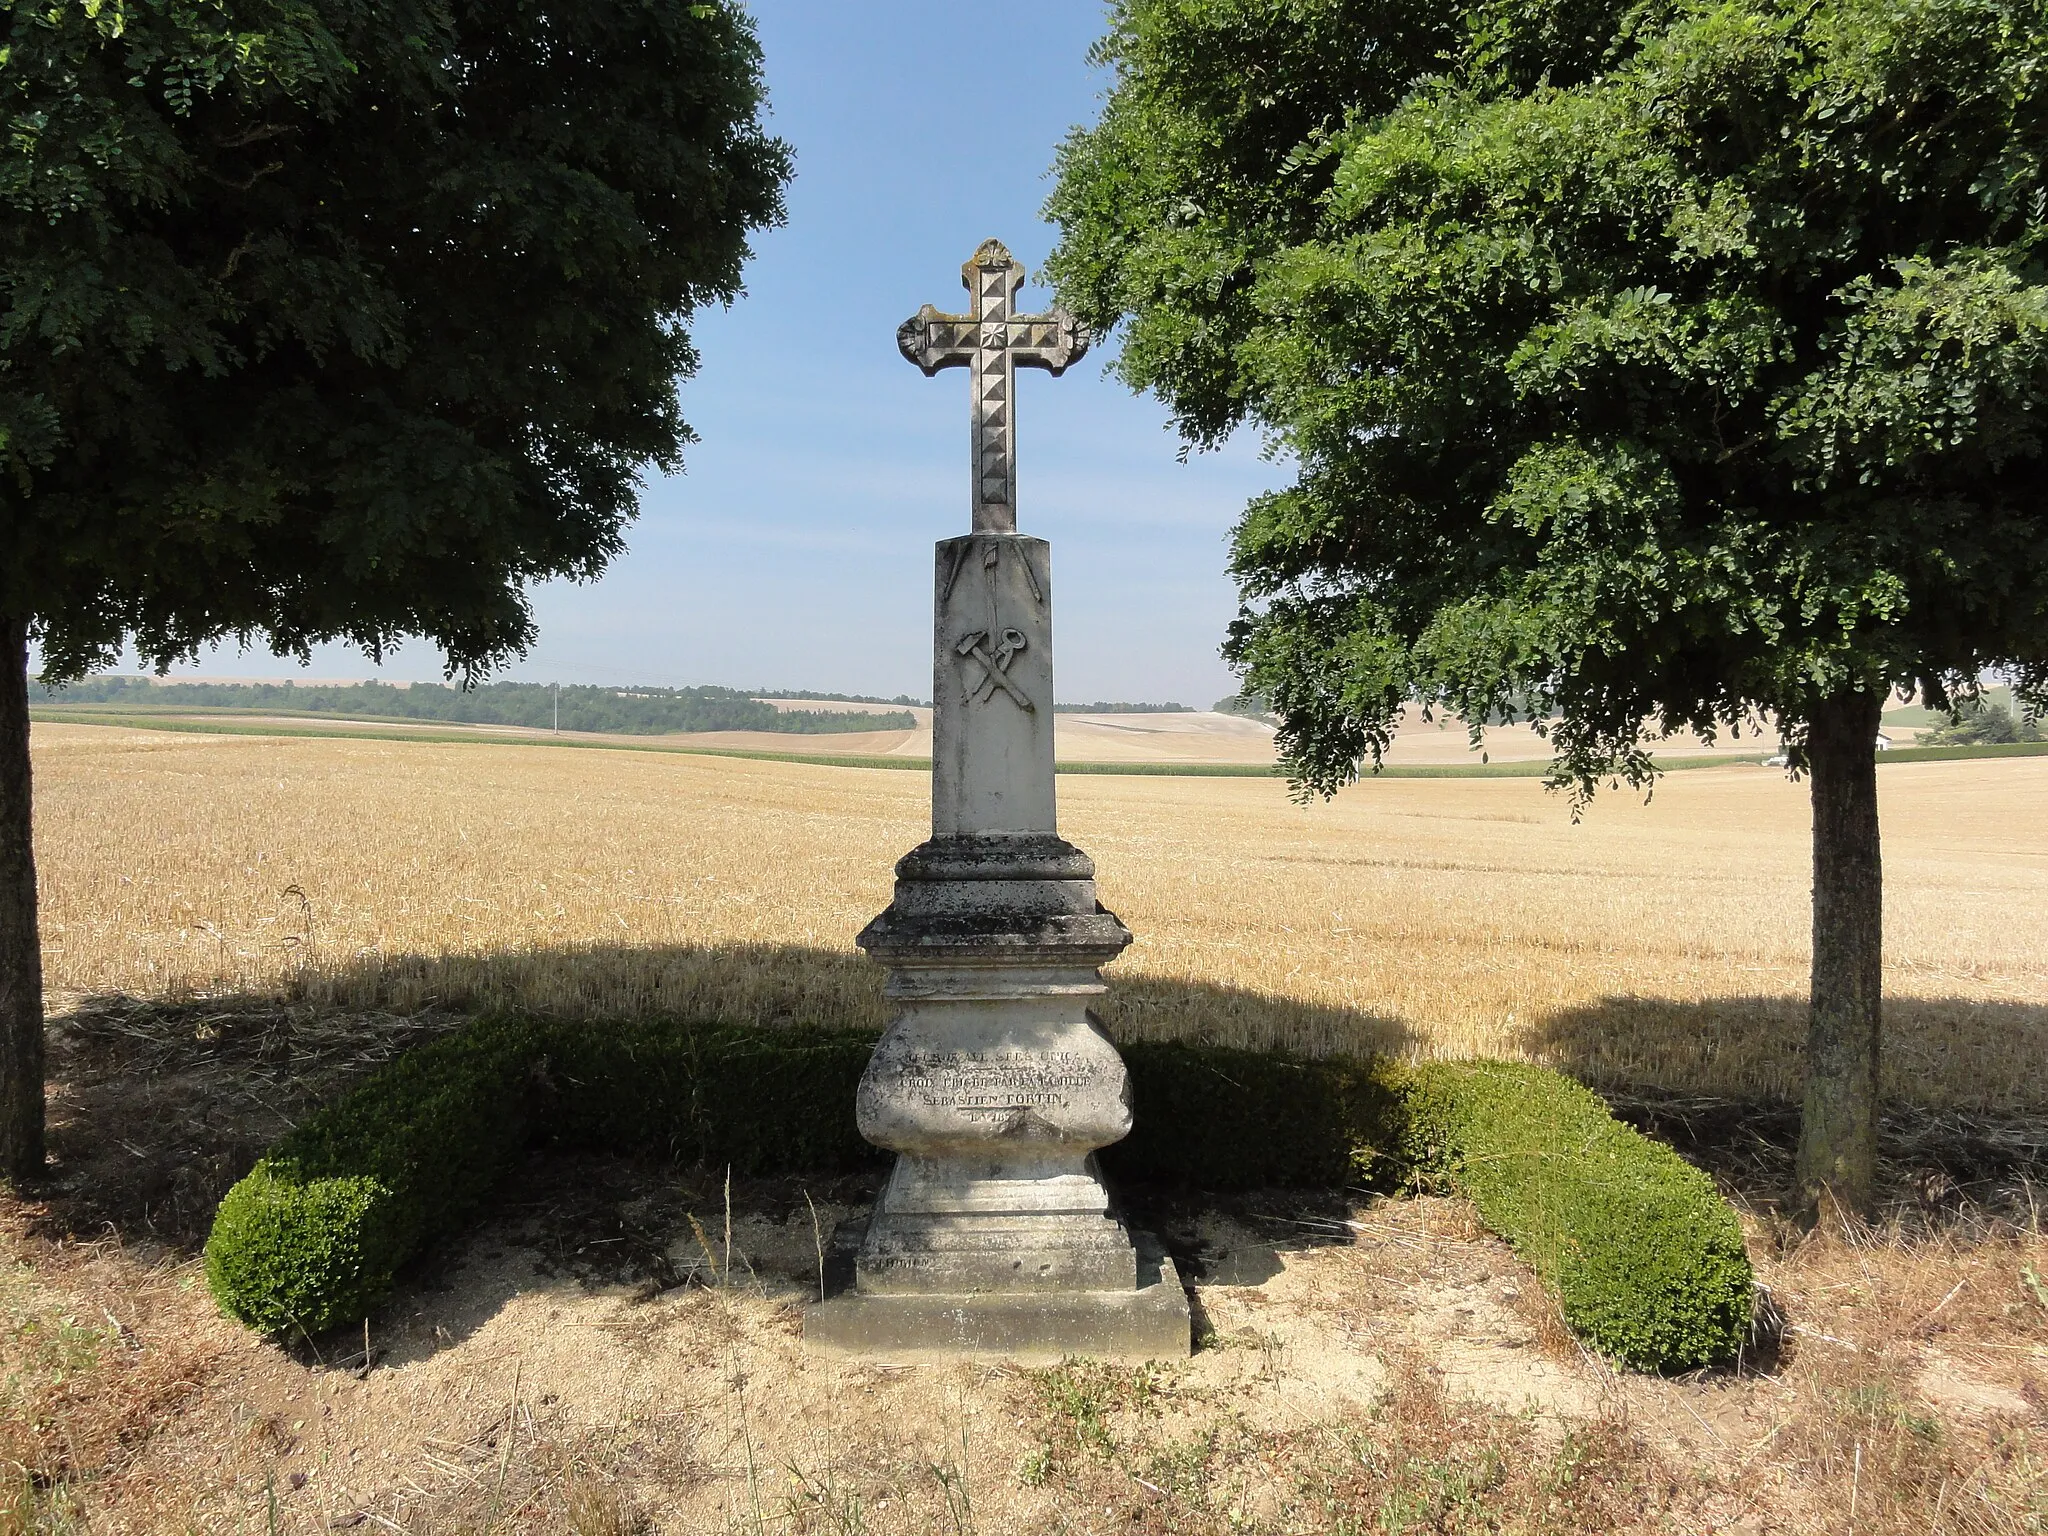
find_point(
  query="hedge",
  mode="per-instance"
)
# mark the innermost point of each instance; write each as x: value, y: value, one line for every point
x: 1215, y: 1118
x: 1644, y: 1258
x: 758, y: 1100
x: 312, y: 1237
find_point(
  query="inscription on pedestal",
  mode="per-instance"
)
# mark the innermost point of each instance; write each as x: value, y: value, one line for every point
x: 992, y: 1085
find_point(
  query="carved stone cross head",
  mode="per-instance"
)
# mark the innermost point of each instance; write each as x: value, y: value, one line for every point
x: 993, y: 343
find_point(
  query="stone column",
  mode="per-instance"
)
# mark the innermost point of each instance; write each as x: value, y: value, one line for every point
x: 993, y: 1084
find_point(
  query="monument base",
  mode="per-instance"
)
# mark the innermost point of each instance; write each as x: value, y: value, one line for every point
x: 1030, y: 1328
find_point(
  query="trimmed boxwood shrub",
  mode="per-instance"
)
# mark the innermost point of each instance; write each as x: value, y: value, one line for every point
x: 763, y: 1101
x: 1644, y: 1258
x: 1643, y: 1255
x: 311, y: 1238
x: 1216, y: 1118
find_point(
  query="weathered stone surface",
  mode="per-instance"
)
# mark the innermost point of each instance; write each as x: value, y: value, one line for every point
x: 978, y: 902
x: 1148, y: 1320
x: 992, y: 707
x: 993, y: 1083
x: 996, y: 1085
x: 992, y: 342
x: 996, y: 856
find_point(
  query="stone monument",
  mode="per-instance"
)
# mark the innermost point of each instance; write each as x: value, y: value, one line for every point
x: 993, y: 1084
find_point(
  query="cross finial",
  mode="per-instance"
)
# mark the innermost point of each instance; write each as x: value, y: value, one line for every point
x: 992, y: 342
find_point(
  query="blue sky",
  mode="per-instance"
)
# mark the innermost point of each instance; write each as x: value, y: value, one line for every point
x: 795, y: 549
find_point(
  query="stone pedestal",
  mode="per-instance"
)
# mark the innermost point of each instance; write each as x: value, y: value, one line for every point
x: 993, y: 1084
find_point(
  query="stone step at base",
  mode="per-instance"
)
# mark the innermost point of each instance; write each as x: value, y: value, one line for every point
x: 1029, y: 1328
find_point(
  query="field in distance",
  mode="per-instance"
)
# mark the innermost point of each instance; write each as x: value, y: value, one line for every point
x: 1662, y: 945
x: 650, y: 1367
x: 1206, y: 737
x: 1193, y: 738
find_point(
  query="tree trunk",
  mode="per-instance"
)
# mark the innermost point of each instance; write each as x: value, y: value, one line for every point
x: 1837, y: 1169
x: 21, y: 953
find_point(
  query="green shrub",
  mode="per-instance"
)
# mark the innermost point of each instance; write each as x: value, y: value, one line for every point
x: 1643, y: 1256
x: 1217, y: 1118
x: 290, y: 1256
x: 759, y: 1101
x: 311, y: 1238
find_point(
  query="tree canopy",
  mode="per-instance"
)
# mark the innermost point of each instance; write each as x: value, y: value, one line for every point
x: 1646, y: 365
x: 1642, y: 362
x: 337, y: 319
x: 329, y: 319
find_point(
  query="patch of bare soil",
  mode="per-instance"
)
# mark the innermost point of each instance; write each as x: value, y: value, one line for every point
x: 157, y: 1108
x: 1940, y: 1169
x: 618, y: 1349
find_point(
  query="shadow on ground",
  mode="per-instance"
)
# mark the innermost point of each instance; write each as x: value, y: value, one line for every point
x: 645, y: 1230
x: 158, y: 1107
x: 1938, y: 1160
x: 780, y: 984
x: 1976, y: 1056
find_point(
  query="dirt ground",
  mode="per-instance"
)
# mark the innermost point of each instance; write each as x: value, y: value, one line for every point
x: 617, y: 1349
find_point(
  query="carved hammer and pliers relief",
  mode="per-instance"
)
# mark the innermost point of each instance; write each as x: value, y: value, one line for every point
x: 973, y: 644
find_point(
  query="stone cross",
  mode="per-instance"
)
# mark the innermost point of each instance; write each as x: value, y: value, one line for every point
x: 994, y: 1083
x: 993, y: 343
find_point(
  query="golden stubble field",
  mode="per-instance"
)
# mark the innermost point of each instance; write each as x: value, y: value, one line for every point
x: 1663, y: 945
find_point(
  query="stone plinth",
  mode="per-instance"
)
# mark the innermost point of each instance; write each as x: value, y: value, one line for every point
x: 993, y: 1082
x: 1148, y: 1321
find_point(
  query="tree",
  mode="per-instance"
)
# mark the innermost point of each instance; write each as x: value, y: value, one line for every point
x: 331, y: 319
x: 1982, y: 723
x: 1648, y: 366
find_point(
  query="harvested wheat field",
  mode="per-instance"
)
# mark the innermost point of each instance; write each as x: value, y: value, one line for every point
x: 238, y: 928
x: 1661, y: 945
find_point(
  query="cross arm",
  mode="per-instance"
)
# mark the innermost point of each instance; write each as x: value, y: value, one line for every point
x: 933, y: 340
x: 1052, y: 341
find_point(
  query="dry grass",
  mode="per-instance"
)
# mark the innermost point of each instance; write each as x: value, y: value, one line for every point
x: 583, y: 1365
x: 97, y: 1352
x: 1389, y: 1380
x: 1660, y: 945
x: 1917, y: 1379
x: 158, y: 1108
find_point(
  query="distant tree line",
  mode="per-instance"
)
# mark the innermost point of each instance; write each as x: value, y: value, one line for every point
x: 636, y: 711
x: 1252, y: 706
x: 839, y: 698
x: 1100, y: 707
